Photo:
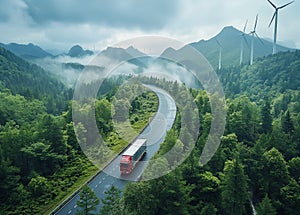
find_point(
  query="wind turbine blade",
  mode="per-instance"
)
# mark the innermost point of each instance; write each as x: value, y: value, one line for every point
x: 285, y: 5
x: 259, y: 39
x: 272, y: 4
x: 272, y: 19
x: 255, y: 22
x: 245, y: 26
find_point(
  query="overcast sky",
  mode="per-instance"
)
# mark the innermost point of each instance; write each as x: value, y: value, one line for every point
x: 59, y: 24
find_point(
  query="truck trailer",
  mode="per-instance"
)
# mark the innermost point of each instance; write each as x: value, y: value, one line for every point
x: 132, y: 155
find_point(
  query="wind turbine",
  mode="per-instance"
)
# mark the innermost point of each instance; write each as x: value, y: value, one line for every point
x: 220, y: 54
x: 242, y: 43
x: 276, y: 20
x: 253, y: 34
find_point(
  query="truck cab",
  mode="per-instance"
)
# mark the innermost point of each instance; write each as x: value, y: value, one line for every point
x: 132, y: 155
x: 126, y: 164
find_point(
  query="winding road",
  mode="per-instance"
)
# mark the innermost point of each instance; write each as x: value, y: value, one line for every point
x: 155, y: 134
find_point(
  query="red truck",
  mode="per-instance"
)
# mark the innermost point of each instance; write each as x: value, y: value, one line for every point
x: 132, y: 155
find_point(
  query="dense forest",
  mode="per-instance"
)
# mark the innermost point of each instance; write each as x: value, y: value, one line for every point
x: 32, y: 82
x: 41, y: 161
x: 257, y: 164
x: 255, y: 170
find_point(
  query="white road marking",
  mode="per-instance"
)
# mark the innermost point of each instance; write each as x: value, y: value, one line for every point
x: 96, y: 185
x: 75, y: 206
x: 100, y: 182
x: 70, y: 211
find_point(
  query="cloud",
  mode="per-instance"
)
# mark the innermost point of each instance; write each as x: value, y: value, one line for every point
x: 56, y: 66
x: 9, y: 9
x: 170, y: 71
x: 141, y: 14
x: 101, y: 23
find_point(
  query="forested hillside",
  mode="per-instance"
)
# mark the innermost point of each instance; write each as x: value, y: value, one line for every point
x: 32, y: 82
x: 41, y: 162
x: 257, y: 166
x: 40, y: 159
x: 269, y: 76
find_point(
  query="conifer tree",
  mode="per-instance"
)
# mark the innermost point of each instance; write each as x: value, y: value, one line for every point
x: 235, y: 188
x: 266, y: 117
x: 111, y: 201
x: 265, y: 207
x: 287, y: 123
x: 88, y: 202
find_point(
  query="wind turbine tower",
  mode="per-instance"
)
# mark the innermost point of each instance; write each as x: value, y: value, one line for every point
x: 220, y: 54
x: 242, y: 43
x: 275, y: 15
x: 253, y: 34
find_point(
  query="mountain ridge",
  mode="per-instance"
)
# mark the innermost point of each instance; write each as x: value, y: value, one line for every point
x: 78, y: 51
x: 31, y: 81
x: 27, y: 51
x: 230, y: 40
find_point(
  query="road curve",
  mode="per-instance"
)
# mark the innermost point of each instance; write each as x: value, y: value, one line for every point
x: 155, y: 134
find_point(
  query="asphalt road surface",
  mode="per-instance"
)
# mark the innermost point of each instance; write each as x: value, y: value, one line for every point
x: 154, y: 133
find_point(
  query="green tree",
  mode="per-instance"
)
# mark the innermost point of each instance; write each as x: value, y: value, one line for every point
x: 266, y: 117
x: 111, y: 201
x: 173, y: 191
x: 50, y: 129
x: 229, y: 145
x: 147, y: 197
x: 88, y: 201
x: 209, y: 210
x: 265, y: 207
x: 283, y: 142
x: 138, y: 198
x: 41, y: 158
x: 275, y: 172
x: 39, y: 186
x: 294, y: 168
x: 9, y: 177
x: 208, y: 188
x: 235, y: 188
x: 120, y: 109
x: 290, y: 195
x: 243, y: 118
x: 287, y: 123
x: 103, y: 116
x: 254, y: 166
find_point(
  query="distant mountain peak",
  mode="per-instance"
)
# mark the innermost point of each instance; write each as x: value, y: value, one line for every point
x: 131, y: 48
x: 29, y: 51
x: 230, y: 27
x: 78, y: 51
x: 116, y: 53
x: 169, y: 53
x: 76, y: 47
x: 228, y: 32
x: 134, y: 52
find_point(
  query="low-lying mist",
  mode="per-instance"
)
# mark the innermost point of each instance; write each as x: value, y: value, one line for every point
x: 92, y: 67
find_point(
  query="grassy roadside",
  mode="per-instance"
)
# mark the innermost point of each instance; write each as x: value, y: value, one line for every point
x: 138, y: 120
x: 91, y: 171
